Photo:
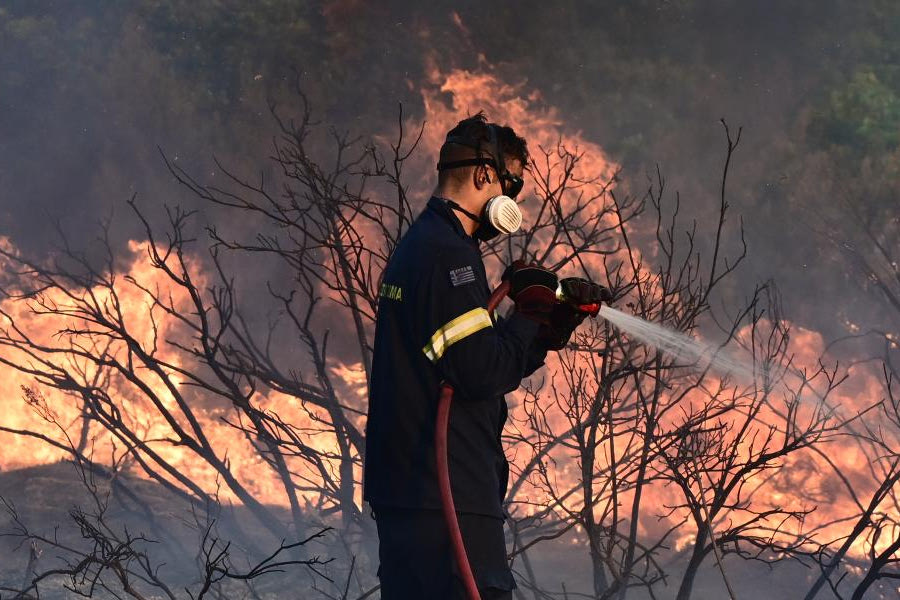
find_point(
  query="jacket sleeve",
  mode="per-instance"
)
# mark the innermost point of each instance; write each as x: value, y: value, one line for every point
x: 537, y: 353
x: 537, y: 350
x: 479, y: 357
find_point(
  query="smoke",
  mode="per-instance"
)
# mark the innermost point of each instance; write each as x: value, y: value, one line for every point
x: 89, y: 94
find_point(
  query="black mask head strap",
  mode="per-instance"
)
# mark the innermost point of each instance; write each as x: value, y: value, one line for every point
x: 454, y: 206
x: 466, y: 162
x: 494, y: 157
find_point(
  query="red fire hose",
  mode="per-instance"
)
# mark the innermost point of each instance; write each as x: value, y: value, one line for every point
x: 443, y: 470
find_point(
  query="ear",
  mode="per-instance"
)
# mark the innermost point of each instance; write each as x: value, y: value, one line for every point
x: 482, y: 176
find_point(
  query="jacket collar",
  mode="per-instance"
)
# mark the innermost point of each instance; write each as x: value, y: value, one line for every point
x: 439, y: 206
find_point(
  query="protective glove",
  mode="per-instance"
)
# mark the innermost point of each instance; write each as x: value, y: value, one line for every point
x: 533, y: 289
x: 586, y: 295
x: 562, y: 322
x: 578, y: 299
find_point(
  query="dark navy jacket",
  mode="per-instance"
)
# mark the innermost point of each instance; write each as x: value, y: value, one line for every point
x: 432, y: 326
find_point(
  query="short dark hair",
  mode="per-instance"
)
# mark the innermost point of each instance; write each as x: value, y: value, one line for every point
x: 476, y: 130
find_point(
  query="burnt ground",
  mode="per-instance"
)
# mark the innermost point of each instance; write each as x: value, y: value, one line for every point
x: 45, y: 497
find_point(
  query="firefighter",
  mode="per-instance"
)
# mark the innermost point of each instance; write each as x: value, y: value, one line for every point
x: 432, y: 326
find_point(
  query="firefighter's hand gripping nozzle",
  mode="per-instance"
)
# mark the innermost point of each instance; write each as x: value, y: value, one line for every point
x: 584, y: 295
x: 575, y: 299
x: 535, y: 290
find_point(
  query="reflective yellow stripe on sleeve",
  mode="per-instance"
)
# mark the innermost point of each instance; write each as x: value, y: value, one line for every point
x: 462, y: 326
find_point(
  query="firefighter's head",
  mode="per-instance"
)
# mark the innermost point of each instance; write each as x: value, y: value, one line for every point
x: 481, y: 170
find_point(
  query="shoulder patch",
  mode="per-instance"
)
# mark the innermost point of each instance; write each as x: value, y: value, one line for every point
x: 462, y: 275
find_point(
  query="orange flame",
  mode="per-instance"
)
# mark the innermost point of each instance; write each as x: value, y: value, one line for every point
x: 447, y: 98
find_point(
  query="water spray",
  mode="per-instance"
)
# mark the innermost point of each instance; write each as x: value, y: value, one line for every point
x: 681, y: 347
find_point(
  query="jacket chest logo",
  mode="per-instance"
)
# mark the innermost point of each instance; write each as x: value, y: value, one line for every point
x: 462, y: 276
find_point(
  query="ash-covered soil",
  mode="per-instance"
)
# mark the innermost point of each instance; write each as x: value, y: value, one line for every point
x: 46, y: 497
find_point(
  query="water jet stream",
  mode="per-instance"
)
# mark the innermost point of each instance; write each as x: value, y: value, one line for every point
x: 684, y: 349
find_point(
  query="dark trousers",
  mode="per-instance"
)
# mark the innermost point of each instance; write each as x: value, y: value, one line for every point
x: 417, y: 559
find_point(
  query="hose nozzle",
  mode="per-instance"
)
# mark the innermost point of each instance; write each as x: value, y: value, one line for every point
x: 586, y: 296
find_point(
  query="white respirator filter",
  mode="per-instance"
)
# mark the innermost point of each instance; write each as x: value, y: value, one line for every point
x: 503, y: 213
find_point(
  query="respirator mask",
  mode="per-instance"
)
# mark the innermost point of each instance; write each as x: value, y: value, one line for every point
x: 501, y: 214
